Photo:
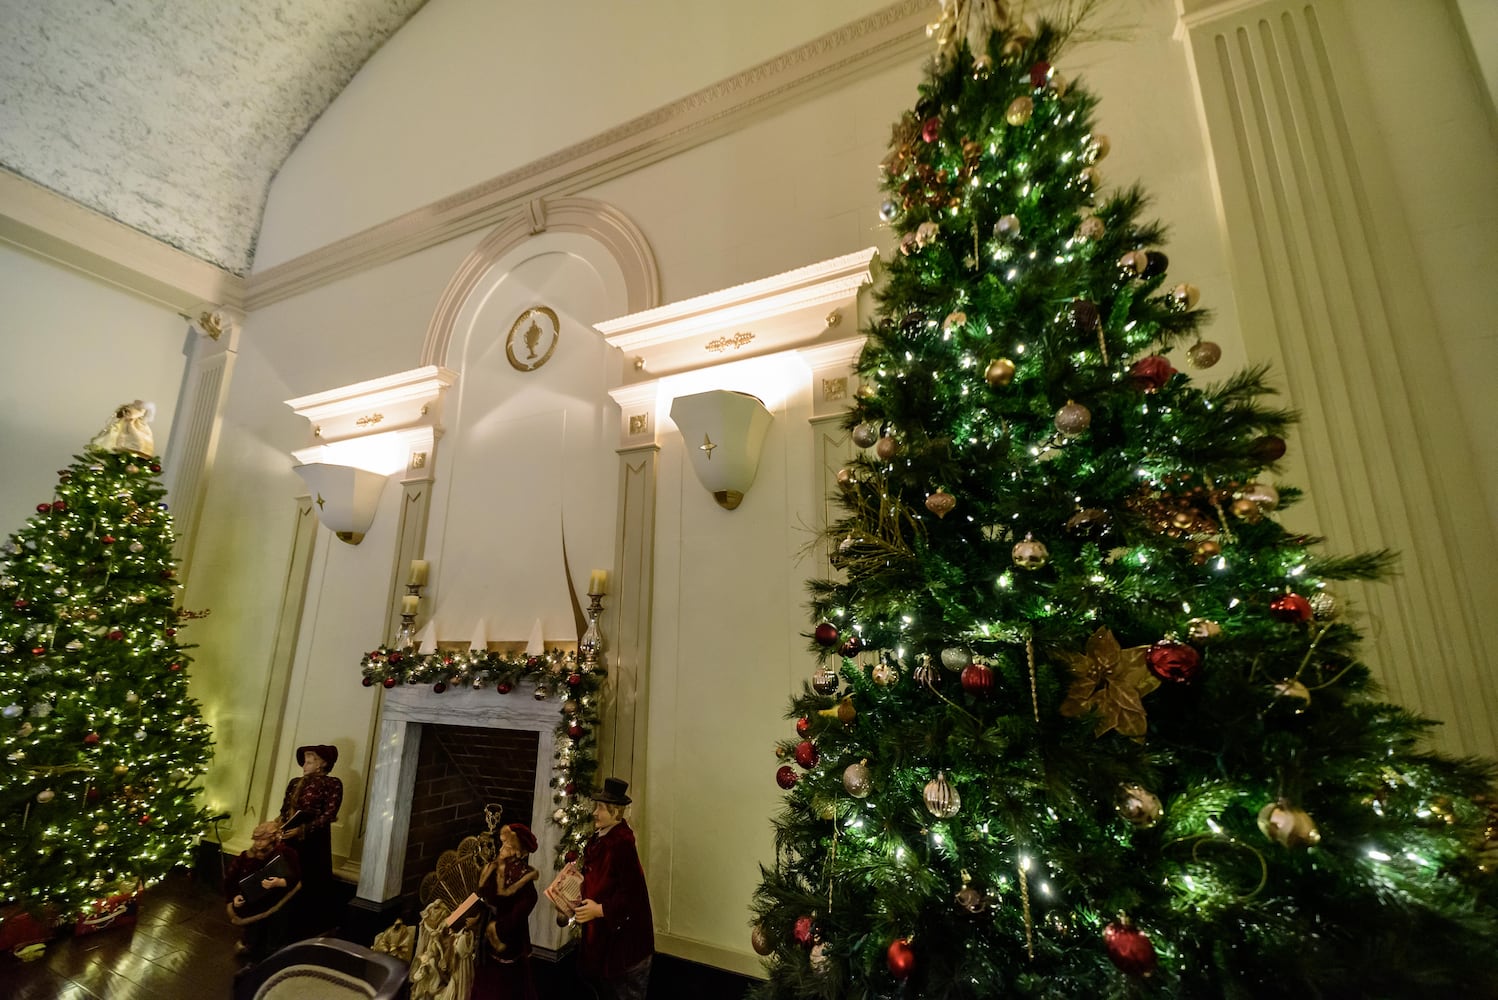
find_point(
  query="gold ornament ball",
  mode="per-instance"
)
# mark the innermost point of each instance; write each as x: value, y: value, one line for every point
x: 1030, y: 554
x: 942, y: 800
x: 760, y: 940
x: 1185, y: 295
x: 1294, y: 691
x: 1134, y: 263
x: 954, y: 320
x: 1203, y: 354
x: 845, y: 477
x: 955, y: 659
x: 1073, y: 418
x: 858, y: 780
x: 1203, y: 630
x: 1325, y: 606
x: 1207, y: 549
x: 886, y: 448
x: 1099, y: 147
x: 1262, y: 494
x: 1000, y: 372
x: 941, y: 503
x: 865, y: 391
x: 972, y: 900
x: 1091, y: 228
x: 1246, y: 509
x: 883, y: 674
x: 1091, y: 177
x: 1288, y: 826
x: 1007, y: 227
x: 1139, y: 806
x: 1019, y: 111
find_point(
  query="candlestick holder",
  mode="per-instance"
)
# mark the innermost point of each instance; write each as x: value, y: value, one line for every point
x: 405, y: 636
x: 590, y: 646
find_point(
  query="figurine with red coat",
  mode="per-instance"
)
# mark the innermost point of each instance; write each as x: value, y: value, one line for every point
x: 618, y: 930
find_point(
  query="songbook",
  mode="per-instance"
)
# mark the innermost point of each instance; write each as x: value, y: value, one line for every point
x: 295, y: 820
x: 250, y: 887
x: 566, y: 890
x: 464, y: 909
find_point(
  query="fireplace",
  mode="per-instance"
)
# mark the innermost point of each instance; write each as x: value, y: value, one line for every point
x: 413, y: 716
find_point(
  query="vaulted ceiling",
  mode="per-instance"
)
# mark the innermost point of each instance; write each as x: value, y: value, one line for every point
x: 173, y: 116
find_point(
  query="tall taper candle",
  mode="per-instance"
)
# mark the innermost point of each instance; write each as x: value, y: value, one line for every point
x: 598, y: 583
x: 419, y: 570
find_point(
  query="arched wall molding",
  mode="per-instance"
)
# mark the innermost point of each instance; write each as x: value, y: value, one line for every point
x: 597, y: 220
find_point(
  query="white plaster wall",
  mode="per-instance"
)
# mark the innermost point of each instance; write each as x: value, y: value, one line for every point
x: 74, y: 350
x: 471, y: 88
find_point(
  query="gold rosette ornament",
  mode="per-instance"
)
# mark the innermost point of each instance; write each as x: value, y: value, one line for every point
x: 1110, y: 681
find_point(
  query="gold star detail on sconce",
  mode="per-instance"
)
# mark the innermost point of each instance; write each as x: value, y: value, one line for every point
x: 707, y: 446
x: 320, y: 501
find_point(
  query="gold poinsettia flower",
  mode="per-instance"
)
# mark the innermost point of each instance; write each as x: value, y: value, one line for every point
x: 1111, y: 682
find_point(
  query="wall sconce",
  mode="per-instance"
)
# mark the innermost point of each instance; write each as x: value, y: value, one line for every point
x: 346, y: 497
x: 723, y: 432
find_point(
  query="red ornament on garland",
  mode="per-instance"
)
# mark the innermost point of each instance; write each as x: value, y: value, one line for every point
x: 786, y: 777
x: 1151, y: 373
x: 389, y: 682
x: 504, y: 687
x: 1291, y: 608
x: 575, y: 731
x: 977, y: 679
x: 107, y: 539
x: 155, y: 467
x: 92, y: 739
x: 170, y: 632
x: 59, y: 505
x: 42, y: 508
x: 1039, y: 74
x: 803, y: 932
x: 825, y: 634
x: 931, y: 128
x: 439, y: 687
x: 573, y: 680
x: 803, y: 726
x: 807, y: 754
x: 368, y: 682
x: 1129, y: 948
x: 851, y: 647
x: 38, y: 650
x: 1173, y: 661
x: 115, y: 634
x: 901, y: 958
x: 22, y: 604
x: 175, y: 667
x: 145, y: 819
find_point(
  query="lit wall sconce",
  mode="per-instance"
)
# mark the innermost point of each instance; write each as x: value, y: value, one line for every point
x: 346, y: 498
x: 723, y: 432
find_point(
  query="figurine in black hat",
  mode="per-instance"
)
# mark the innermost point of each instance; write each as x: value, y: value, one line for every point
x: 307, y: 814
x: 618, y: 930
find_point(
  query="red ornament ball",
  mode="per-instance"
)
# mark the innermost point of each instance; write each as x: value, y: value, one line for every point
x: 575, y: 731
x: 1039, y: 74
x: 38, y: 650
x: 439, y: 687
x: 851, y: 647
x: 92, y: 795
x: 786, y: 777
x: 170, y: 632
x: 803, y: 932
x: 175, y: 667
x: 531, y: 662
x: 22, y: 604
x: 59, y: 505
x: 1129, y: 948
x: 807, y: 755
x: 803, y: 726
x: 1174, y: 661
x: 570, y: 787
x: 145, y: 819
x: 42, y: 508
x: 92, y: 739
x: 1151, y: 373
x: 389, y: 682
x: 1291, y: 608
x: 901, y: 958
x: 825, y: 634
x: 931, y: 128
x: 155, y: 467
x: 571, y: 854
x: 977, y: 679
x: 108, y: 539
x: 504, y: 687
x: 573, y: 680
x: 368, y: 682
x: 115, y: 634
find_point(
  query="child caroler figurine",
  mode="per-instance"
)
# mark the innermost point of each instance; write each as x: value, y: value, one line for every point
x: 507, y: 887
x: 260, y: 907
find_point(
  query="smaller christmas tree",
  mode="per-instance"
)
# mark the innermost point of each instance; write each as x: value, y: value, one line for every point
x: 100, y: 744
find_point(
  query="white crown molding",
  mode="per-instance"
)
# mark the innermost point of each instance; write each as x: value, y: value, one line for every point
x: 46, y: 224
x: 1195, y: 13
x: 827, y: 281
x: 398, y: 401
x: 851, y: 52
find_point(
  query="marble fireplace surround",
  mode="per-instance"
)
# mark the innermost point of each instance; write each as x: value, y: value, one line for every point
x: 405, y: 713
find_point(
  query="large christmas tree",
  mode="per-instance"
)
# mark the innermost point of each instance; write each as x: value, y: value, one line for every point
x: 1088, y: 720
x: 100, y: 744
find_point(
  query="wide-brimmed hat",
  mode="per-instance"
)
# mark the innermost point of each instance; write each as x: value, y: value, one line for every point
x: 329, y: 754
x: 613, y: 792
x: 523, y: 837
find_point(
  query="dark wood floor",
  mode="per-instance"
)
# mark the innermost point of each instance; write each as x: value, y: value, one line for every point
x: 182, y: 948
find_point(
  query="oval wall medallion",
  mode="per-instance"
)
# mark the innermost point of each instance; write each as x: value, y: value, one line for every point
x: 533, y: 337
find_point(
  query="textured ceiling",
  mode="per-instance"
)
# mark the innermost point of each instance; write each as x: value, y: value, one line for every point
x: 173, y: 116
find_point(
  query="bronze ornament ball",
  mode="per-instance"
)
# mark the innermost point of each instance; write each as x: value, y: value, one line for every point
x: 883, y: 674
x: 1139, y: 806
x: 1091, y: 228
x: 1185, y: 295
x: 1030, y: 554
x: 1073, y: 418
x: 1288, y: 826
x: 858, y: 780
x: 972, y: 900
x: 1204, y: 354
x: 1019, y: 111
x: 824, y: 680
x: 760, y: 940
x: 999, y: 373
x: 886, y: 448
x: 1267, y: 449
x: 941, y: 503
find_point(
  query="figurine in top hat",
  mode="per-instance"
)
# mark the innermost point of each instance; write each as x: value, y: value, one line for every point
x: 307, y: 814
x: 618, y: 931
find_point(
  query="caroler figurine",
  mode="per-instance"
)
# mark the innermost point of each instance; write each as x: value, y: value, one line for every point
x: 507, y: 887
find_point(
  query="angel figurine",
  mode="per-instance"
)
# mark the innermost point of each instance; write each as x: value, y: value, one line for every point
x: 128, y: 430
